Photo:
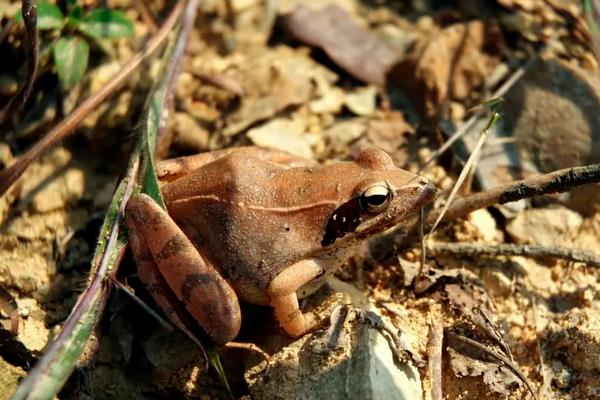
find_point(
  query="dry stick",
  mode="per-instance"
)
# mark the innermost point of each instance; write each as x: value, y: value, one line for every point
x: 422, y: 240
x: 538, y: 345
x: 68, y: 125
x: 434, y: 353
x: 532, y: 251
x: 29, y: 12
x: 459, y: 342
x: 557, y: 181
x: 147, y: 15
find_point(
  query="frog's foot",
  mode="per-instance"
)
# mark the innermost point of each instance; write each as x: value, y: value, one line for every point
x: 284, y: 300
x: 164, y: 253
x: 399, y: 348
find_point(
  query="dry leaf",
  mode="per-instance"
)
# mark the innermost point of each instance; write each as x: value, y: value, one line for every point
x: 356, y: 50
x: 450, y: 65
x: 273, y: 81
x: 282, y: 134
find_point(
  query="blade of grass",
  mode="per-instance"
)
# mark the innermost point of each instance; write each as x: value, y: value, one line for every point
x: 56, y: 365
x: 67, y: 125
x: 159, y: 107
x: 467, y: 168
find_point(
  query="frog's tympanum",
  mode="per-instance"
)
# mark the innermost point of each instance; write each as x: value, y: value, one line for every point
x: 263, y: 227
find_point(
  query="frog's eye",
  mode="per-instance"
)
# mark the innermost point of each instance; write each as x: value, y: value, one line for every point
x: 376, y: 198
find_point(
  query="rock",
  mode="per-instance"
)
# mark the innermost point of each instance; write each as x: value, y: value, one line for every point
x: 360, y: 366
x: 573, y: 341
x: 545, y: 226
x: 362, y: 101
x: 188, y: 134
x: 342, y: 133
x: 485, y: 224
x: 553, y: 114
x: 10, y: 377
x: 496, y: 281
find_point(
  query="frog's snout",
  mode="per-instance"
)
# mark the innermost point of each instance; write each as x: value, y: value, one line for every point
x: 428, y: 190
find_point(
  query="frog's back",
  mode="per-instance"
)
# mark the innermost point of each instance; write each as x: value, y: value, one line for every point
x: 250, y: 217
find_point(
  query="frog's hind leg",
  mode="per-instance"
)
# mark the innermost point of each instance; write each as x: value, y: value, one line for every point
x: 162, y: 250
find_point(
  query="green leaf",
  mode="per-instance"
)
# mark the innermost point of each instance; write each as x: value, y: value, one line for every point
x: 75, y: 15
x: 71, y: 58
x: 49, y: 16
x: 106, y: 24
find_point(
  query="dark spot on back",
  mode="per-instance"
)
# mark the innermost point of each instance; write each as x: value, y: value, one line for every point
x: 172, y: 247
x: 192, y: 281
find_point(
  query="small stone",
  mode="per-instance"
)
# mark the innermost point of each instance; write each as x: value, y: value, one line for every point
x: 362, y: 101
x: 545, y: 226
x: 496, y: 282
x: 188, y: 134
x: 562, y: 376
x: 485, y: 224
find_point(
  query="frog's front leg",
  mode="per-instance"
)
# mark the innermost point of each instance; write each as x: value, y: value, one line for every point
x: 282, y: 291
x: 158, y: 243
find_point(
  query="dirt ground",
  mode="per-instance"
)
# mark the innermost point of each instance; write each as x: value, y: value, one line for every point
x: 324, y: 80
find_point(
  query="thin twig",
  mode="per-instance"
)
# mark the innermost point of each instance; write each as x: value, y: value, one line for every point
x: 507, y: 249
x: 164, y: 323
x: 434, y: 362
x: 502, y: 90
x: 67, y: 126
x: 147, y: 15
x: 32, y: 48
x: 538, y: 345
x: 422, y: 241
x: 557, y: 181
x: 465, y: 171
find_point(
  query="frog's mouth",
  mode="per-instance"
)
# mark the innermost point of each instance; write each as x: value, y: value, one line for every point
x: 349, y: 222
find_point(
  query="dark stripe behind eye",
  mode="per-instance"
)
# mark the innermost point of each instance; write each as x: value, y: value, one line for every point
x: 344, y: 220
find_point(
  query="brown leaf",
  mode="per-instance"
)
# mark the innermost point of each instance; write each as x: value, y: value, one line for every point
x: 450, y: 65
x: 8, y: 304
x: 356, y: 50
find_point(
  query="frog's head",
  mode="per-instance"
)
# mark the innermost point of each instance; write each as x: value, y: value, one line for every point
x: 379, y: 195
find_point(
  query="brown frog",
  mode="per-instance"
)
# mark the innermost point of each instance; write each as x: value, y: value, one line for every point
x: 261, y: 226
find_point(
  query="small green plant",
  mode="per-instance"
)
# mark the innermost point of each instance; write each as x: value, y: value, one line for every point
x: 75, y: 29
